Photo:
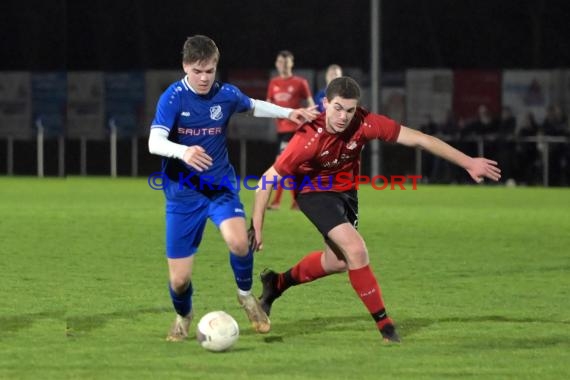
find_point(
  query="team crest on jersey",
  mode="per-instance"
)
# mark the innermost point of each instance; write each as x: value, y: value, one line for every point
x: 216, y: 113
x: 351, y: 145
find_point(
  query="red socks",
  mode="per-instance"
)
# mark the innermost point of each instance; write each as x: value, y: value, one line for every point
x: 309, y: 268
x: 306, y: 270
x: 367, y: 288
x: 362, y: 280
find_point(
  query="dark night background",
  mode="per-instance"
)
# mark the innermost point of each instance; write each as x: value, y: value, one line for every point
x: 129, y: 34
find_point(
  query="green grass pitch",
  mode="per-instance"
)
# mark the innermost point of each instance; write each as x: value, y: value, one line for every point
x: 476, y: 277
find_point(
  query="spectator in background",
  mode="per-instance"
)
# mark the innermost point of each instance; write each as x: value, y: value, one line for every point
x: 450, y: 127
x: 507, y: 124
x: 333, y: 71
x: 506, y: 128
x: 429, y: 162
x: 555, y: 122
x: 483, y: 126
x: 291, y: 91
x: 556, y: 125
x: 441, y: 170
x: 527, y: 155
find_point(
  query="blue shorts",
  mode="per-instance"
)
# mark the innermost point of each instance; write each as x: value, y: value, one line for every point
x: 187, y: 212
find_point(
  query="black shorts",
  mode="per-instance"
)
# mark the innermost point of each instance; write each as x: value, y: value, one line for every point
x: 328, y: 209
x: 282, y: 141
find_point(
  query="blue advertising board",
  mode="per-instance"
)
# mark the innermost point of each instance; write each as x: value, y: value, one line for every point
x: 124, y: 102
x: 49, y: 102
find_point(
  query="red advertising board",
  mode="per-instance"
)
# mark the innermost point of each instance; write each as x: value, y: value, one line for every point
x: 472, y: 88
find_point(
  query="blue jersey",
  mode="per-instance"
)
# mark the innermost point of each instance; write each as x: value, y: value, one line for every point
x: 319, y: 96
x: 193, y: 119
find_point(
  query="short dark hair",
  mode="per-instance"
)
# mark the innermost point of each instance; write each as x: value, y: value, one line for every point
x: 199, y: 48
x: 285, y: 54
x: 345, y: 87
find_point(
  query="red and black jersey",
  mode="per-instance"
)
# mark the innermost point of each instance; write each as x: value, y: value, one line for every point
x: 288, y: 92
x: 315, y: 155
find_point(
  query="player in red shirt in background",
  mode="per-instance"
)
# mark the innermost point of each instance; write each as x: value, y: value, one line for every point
x: 320, y: 151
x: 291, y: 91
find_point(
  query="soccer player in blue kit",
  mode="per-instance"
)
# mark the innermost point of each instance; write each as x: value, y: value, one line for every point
x: 189, y: 131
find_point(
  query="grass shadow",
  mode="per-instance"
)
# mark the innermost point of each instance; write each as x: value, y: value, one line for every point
x: 411, y: 326
x: 15, y: 323
x: 406, y: 327
x: 81, y: 324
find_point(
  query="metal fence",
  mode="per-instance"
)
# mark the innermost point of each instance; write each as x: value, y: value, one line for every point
x: 252, y: 147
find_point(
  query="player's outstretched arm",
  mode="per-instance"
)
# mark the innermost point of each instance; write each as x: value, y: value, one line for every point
x: 481, y: 167
x: 299, y: 116
x: 303, y: 115
x: 478, y: 168
x: 262, y: 195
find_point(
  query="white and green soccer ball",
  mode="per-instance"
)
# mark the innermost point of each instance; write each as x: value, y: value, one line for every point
x: 217, y: 331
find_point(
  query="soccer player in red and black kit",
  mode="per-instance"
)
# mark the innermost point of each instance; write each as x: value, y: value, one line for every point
x: 291, y: 91
x: 321, y: 155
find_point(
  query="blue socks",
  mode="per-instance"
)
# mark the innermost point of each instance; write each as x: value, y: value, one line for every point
x: 243, y: 270
x: 182, y: 302
x: 243, y: 273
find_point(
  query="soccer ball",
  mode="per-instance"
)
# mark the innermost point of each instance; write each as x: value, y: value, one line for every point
x: 217, y: 331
